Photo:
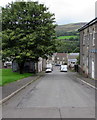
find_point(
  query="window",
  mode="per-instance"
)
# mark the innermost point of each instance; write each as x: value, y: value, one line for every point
x: 83, y: 40
x: 57, y: 58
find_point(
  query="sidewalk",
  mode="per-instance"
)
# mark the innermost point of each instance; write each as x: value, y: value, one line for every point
x: 14, y: 86
x: 88, y: 80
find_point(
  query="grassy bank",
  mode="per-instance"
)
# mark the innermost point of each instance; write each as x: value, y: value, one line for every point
x: 8, y: 76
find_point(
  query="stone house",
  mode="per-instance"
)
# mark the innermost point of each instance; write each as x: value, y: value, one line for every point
x: 60, y: 58
x: 88, y: 49
x: 72, y: 59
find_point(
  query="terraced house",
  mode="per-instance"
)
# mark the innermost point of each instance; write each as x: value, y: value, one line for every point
x: 88, y: 49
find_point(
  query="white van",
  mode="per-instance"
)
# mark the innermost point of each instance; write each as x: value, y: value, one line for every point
x: 63, y: 68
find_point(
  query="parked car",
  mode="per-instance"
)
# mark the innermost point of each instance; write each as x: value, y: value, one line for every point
x: 57, y: 64
x: 49, y: 66
x: 48, y: 70
x: 63, y: 68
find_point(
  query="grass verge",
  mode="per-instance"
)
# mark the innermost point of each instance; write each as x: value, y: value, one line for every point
x: 7, y: 76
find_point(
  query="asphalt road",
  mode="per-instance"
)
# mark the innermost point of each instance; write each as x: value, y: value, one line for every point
x: 56, y: 95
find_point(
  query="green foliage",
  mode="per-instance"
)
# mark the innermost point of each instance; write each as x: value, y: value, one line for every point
x: 8, y: 76
x: 68, y: 38
x: 78, y: 60
x: 67, y: 46
x: 28, y: 31
x: 64, y: 33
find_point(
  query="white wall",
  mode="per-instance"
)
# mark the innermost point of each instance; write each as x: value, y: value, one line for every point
x: 40, y: 65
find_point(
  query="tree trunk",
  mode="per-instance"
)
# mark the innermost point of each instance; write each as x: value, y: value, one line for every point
x: 21, y: 67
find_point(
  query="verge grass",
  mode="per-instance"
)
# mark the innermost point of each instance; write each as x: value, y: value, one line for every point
x: 7, y: 76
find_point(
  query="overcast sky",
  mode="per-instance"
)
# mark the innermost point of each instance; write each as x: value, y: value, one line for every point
x: 67, y: 11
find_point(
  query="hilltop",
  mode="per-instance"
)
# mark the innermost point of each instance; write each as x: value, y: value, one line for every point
x: 69, y: 28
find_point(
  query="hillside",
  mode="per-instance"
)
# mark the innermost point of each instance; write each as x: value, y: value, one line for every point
x: 68, y: 28
x: 68, y: 37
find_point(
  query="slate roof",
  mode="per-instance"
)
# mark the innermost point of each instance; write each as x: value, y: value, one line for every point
x: 88, y: 24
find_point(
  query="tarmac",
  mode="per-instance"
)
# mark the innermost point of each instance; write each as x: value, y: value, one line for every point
x: 11, y: 89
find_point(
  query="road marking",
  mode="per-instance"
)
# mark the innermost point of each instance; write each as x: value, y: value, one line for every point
x: 11, y: 95
x: 87, y: 83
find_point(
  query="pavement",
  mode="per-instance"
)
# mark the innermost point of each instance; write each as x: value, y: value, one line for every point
x: 16, y: 86
x: 89, y: 81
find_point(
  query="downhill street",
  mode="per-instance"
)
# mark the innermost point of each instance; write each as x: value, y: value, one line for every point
x: 56, y: 95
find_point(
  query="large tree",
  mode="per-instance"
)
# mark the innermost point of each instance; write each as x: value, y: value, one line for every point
x: 28, y: 31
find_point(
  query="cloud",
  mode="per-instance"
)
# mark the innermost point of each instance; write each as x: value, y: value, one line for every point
x: 67, y: 11
x: 71, y: 10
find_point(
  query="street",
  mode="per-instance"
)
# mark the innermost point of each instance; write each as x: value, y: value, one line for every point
x: 55, y: 95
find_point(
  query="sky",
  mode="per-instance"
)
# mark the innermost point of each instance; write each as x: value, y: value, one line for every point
x: 67, y: 11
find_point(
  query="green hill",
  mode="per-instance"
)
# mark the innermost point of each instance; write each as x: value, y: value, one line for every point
x: 69, y: 29
x: 68, y: 37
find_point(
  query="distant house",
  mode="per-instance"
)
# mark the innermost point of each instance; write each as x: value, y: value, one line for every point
x: 72, y: 59
x: 51, y: 59
x: 88, y: 49
x: 7, y: 64
x: 60, y: 58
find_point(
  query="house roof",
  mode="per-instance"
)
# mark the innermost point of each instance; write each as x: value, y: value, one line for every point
x: 61, y: 54
x: 73, y: 55
x: 72, y: 60
x: 88, y: 24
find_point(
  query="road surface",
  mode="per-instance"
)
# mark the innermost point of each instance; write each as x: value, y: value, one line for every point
x: 56, y: 95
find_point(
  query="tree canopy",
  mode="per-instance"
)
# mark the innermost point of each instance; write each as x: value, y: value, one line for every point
x: 28, y: 31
